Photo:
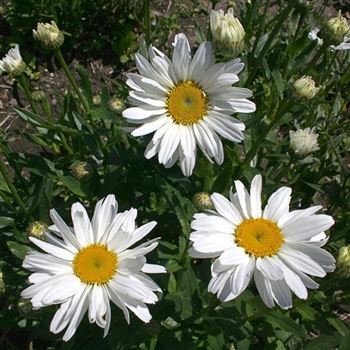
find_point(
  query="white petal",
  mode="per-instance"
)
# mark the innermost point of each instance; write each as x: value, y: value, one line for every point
x: 278, y: 204
x: 104, y: 213
x: 54, y: 250
x: 233, y: 256
x: 255, y: 197
x: 321, y: 256
x: 64, y: 230
x: 78, y: 314
x: 300, y: 261
x: 211, y: 243
x: 294, y: 282
x: 296, y: 215
x: 153, y: 268
x: 270, y: 268
x: 281, y: 294
x: 202, y: 60
x: 264, y: 288
x: 208, y: 222
x: 187, y: 164
x: 143, y: 112
x: 242, y: 276
x: 244, y: 199
x: 82, y: 225
x: 307, y: 227
x: 150, y: 126
x: 181, y: 56
x: 169, y: 144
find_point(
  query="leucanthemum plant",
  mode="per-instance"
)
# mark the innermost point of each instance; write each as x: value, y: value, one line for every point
x: 279, y: 248
x: 186, y: 102
x: 86, y: 266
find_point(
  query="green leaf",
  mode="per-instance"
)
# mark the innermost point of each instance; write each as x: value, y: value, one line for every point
x: 19, y: 250
x: 5, y: 221
x: 285, y: 323
x: 75, y: 186
x: 323, y: 342
x: 85, y: 83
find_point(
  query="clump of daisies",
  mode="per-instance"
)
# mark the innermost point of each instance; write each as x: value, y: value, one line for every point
x: 278, y: 248
x: 86, y: 266
x: 186, y: 102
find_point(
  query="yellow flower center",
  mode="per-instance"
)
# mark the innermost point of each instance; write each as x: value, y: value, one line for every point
x: 187, y: 103
x: 259, y: 237
x: 95, y: 264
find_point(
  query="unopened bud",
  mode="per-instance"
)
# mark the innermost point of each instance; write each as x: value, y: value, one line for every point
x: 227, y: 31
x: 37, y: 229
x: 305, y: 87
x: 38, y: 95
x: 338, y: 26
x: 202, y: 201
x: 96, y: 100
x: 49, y: 35
x: 343, y: 261
x: 116, y: 104
x: 81, y: 171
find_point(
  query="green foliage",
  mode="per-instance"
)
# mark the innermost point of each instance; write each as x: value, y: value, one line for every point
x: 278, y: 52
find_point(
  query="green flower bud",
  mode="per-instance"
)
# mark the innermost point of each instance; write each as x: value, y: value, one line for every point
x: 37, y: 229
x: 343, y: 261
x: 38, y: 95
x: 116, y: 104
x: 81, y: 171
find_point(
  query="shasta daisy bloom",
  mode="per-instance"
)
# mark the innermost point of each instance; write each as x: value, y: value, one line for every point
x: 91, y: 263
x: 13, y: 63
x: 186, y: 102
x: 277, y: 247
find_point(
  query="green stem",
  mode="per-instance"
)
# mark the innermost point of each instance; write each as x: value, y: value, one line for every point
x: 312, y: 63
x: 71, y: 79
x: 251, y: 153
x: 147, y: 21
x: 12, y: 188
x: 283, y: 16
x: 283, y: 171
x: 24, y: 85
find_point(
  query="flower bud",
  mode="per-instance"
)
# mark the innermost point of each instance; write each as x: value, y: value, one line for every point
x: 305, y: 87
x: 343, y: 261
x: 13, y: 63
x: 338, y: 26
x: 227, y: 31
x: 96, y: 100
x: 116, y: 104
x: 49, y: 35
x: 81, y: 171
x: 37, y: 229
x: 303, y: 141
x: 2, y: 284
x: 202, y: 200
x: 38, y: 95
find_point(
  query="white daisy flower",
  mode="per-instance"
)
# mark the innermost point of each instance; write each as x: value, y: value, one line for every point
x: 91, y: 263
x: 277, y: 247
x: 303, y: 141
x: 13, y: 63
x: 186, y: 102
